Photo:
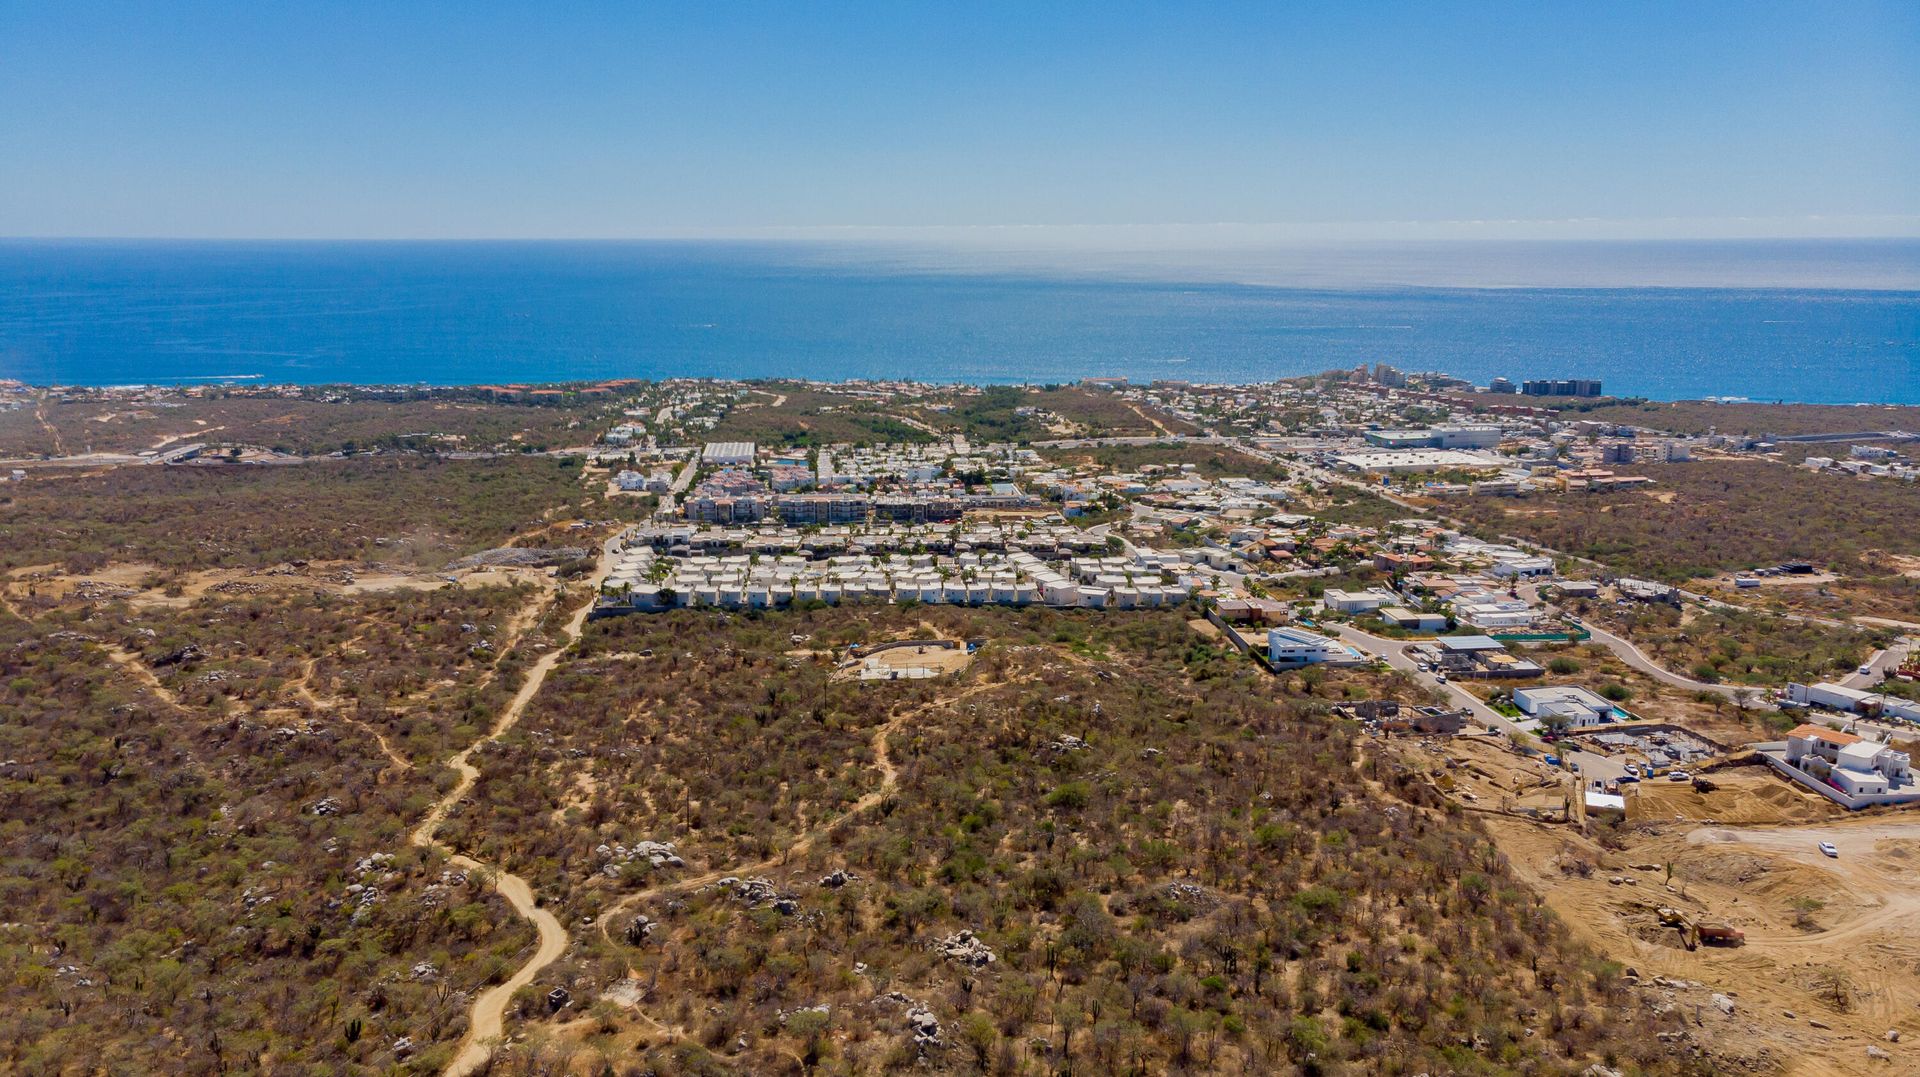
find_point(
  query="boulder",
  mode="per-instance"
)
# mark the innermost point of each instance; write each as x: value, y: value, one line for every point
x: 966, y: 948
x: 925, y: 1026
x: 189, y: 653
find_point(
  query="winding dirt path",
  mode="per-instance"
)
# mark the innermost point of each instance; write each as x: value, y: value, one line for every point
x: 487, y: 1021
x: 119, y: 655
x: 141, y: 672
x: 889, y: 781
x: 303, y: 687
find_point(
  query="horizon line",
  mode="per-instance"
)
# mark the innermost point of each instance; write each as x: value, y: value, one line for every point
x: 771, y: 238
x: 1816, y: 227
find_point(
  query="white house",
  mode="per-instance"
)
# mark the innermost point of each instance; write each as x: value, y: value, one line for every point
x: 1493, y: 614
x: 1578, y: 706
x: 1365, y: 601
x: 1522, y: 566
x: 1853, y: 765
x: 1419, y: 620
x: 1290, y: 648
x: 1854, y: 701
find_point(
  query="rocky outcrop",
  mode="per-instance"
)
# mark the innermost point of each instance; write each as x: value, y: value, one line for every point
x: 966, y: 948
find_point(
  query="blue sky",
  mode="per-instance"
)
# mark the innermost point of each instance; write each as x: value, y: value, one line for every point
x: 1382, y: 120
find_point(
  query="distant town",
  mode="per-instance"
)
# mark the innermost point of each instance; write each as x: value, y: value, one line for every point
x: 1618, y: 641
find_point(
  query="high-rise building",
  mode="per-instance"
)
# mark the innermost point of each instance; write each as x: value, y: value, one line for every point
x: 1561, y: 387
x: 1388, y: 376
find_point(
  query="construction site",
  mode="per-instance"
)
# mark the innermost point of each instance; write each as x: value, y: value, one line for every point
x: 905, y: 660
x: 1785, y: 929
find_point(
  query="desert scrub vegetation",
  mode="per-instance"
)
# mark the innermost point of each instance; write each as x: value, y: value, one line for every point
x: 994, y: 414
x: 1737, y: 646
x: 698, y: 723
x: 1714, y: 516
x: 196, y: 892
x: 1787, y: 420
x: 1342, y: 504
x: 810, y: 418
x: 426, y: 670
x: 323, y: 419
x: 1175, y: 862
x: 1882, y: 585
x: 413, y: 510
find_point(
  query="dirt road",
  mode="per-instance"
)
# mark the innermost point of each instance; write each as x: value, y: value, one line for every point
x: 487, y: 1021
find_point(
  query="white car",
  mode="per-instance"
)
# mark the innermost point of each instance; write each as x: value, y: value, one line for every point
x: 1827, y: 847
x: 1864, y: 671
x: 1679, y: 776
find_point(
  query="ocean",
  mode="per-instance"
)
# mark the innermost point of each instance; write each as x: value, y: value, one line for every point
x: 1810, y: 321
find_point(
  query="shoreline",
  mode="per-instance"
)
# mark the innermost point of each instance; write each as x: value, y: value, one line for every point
x: 253, y: 384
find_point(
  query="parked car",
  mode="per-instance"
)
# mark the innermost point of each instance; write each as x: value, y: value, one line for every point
x: 1827, y: 847
x: 1441, y: 677
x: 1679, y: 776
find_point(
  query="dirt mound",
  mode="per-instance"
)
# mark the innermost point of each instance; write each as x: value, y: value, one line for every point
x: 1743, y: 799
x: 520, y: 557
x: 1780, y: 888
x: 1728, y: 868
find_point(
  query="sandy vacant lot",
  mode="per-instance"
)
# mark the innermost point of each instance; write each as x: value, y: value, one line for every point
x: 1831, y: 961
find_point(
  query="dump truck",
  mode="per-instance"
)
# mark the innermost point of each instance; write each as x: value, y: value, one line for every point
x: 1693, y: 934
x: 1721, y: 934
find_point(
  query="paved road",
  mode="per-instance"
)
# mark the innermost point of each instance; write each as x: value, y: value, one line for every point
x: 1590, y: 764
x: 1880, y: 664
x: 670, y: 503
x: 1634, y: 657
x: 1078, y: 443
x: 1463, y: 526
